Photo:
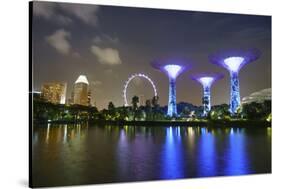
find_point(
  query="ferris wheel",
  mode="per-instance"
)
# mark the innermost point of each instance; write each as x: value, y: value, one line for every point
x: 130, y: 79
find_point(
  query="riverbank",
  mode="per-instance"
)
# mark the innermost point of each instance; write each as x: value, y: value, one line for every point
x: 203, y: 123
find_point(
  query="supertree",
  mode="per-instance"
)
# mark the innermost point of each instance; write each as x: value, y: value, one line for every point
x: 173, y: 67
x: 206, y: 80
x: 233, y: 61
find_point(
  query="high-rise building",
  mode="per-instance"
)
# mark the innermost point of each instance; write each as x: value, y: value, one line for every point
x: 54, y: 92
x: 80, y: 91
x: 71, y: 99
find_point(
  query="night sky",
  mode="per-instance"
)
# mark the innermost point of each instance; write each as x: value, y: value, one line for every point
x: 109, y: 43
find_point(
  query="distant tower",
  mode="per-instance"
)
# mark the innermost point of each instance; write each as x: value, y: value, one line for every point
x: 206, y: 80
x: 80, y: 91
x: 233, y: 61
x: 173, y: 68
x: 54, y: 92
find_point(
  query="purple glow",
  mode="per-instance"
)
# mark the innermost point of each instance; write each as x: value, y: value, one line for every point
x: 234, y: 63
x: 173, y: 70
x: 233, y: 60
x: 206, y: 81
x: 172, y: 67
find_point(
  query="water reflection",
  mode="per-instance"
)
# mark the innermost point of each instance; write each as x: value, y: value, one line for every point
x: 207, y: 159
x: 236, y: 155
x: 59, y: 133
x: 79, y: 154
x: 172, y: 154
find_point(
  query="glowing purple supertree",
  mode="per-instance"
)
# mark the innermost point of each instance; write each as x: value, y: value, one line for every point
x: 173, y: 67
x: 206, y: 80
x: 233, y: 61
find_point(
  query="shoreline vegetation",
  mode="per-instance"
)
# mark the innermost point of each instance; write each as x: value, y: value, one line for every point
x: 165, y: 123
x: 252, y: 115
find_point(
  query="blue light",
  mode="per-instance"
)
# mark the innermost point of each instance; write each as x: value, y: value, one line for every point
x: 172, y: 104
x: 234, y: 92
x: 234, y: 63
x: 207, y: 154
x: 173, y: 70
x: 172, y: 155
x: 206, y: 99
x: 236, y: 155
x: 206, y: 81
x: 172, y: 67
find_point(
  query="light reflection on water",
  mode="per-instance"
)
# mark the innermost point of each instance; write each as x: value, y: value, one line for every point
x: 207, y: 160
x: 237, y: 160
x: 83, y: 154
x: 172, y: 154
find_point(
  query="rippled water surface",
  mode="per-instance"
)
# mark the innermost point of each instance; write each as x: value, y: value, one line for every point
x: 84, y: 154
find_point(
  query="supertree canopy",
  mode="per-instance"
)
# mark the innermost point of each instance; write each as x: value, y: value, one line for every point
x: 206, y: 80
x: 233, y: 61
x: 173, y: 67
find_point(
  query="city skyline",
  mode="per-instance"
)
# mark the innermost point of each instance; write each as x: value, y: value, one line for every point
x: 141, y: 94
x: 108, y: 44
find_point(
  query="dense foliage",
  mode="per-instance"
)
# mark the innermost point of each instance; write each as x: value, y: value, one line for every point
x: 44, y: 111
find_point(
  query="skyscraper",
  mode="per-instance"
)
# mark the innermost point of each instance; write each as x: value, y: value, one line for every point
x: 80, y: 91
x: 54, y: 92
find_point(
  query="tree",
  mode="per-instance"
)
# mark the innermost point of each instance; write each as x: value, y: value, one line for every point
x: 111, y: 106
x: 185, y: 112
x: 155, y: 105
x: 257, y: 110
x: 111, y: 110
x: 135, y: 101
x: 219, y: 112
x: 148, y: 109
x: 123, y: 112
x: 154, y: 101
x: 93, y: 112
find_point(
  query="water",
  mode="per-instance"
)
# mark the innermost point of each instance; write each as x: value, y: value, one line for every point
x: 83, y: 154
